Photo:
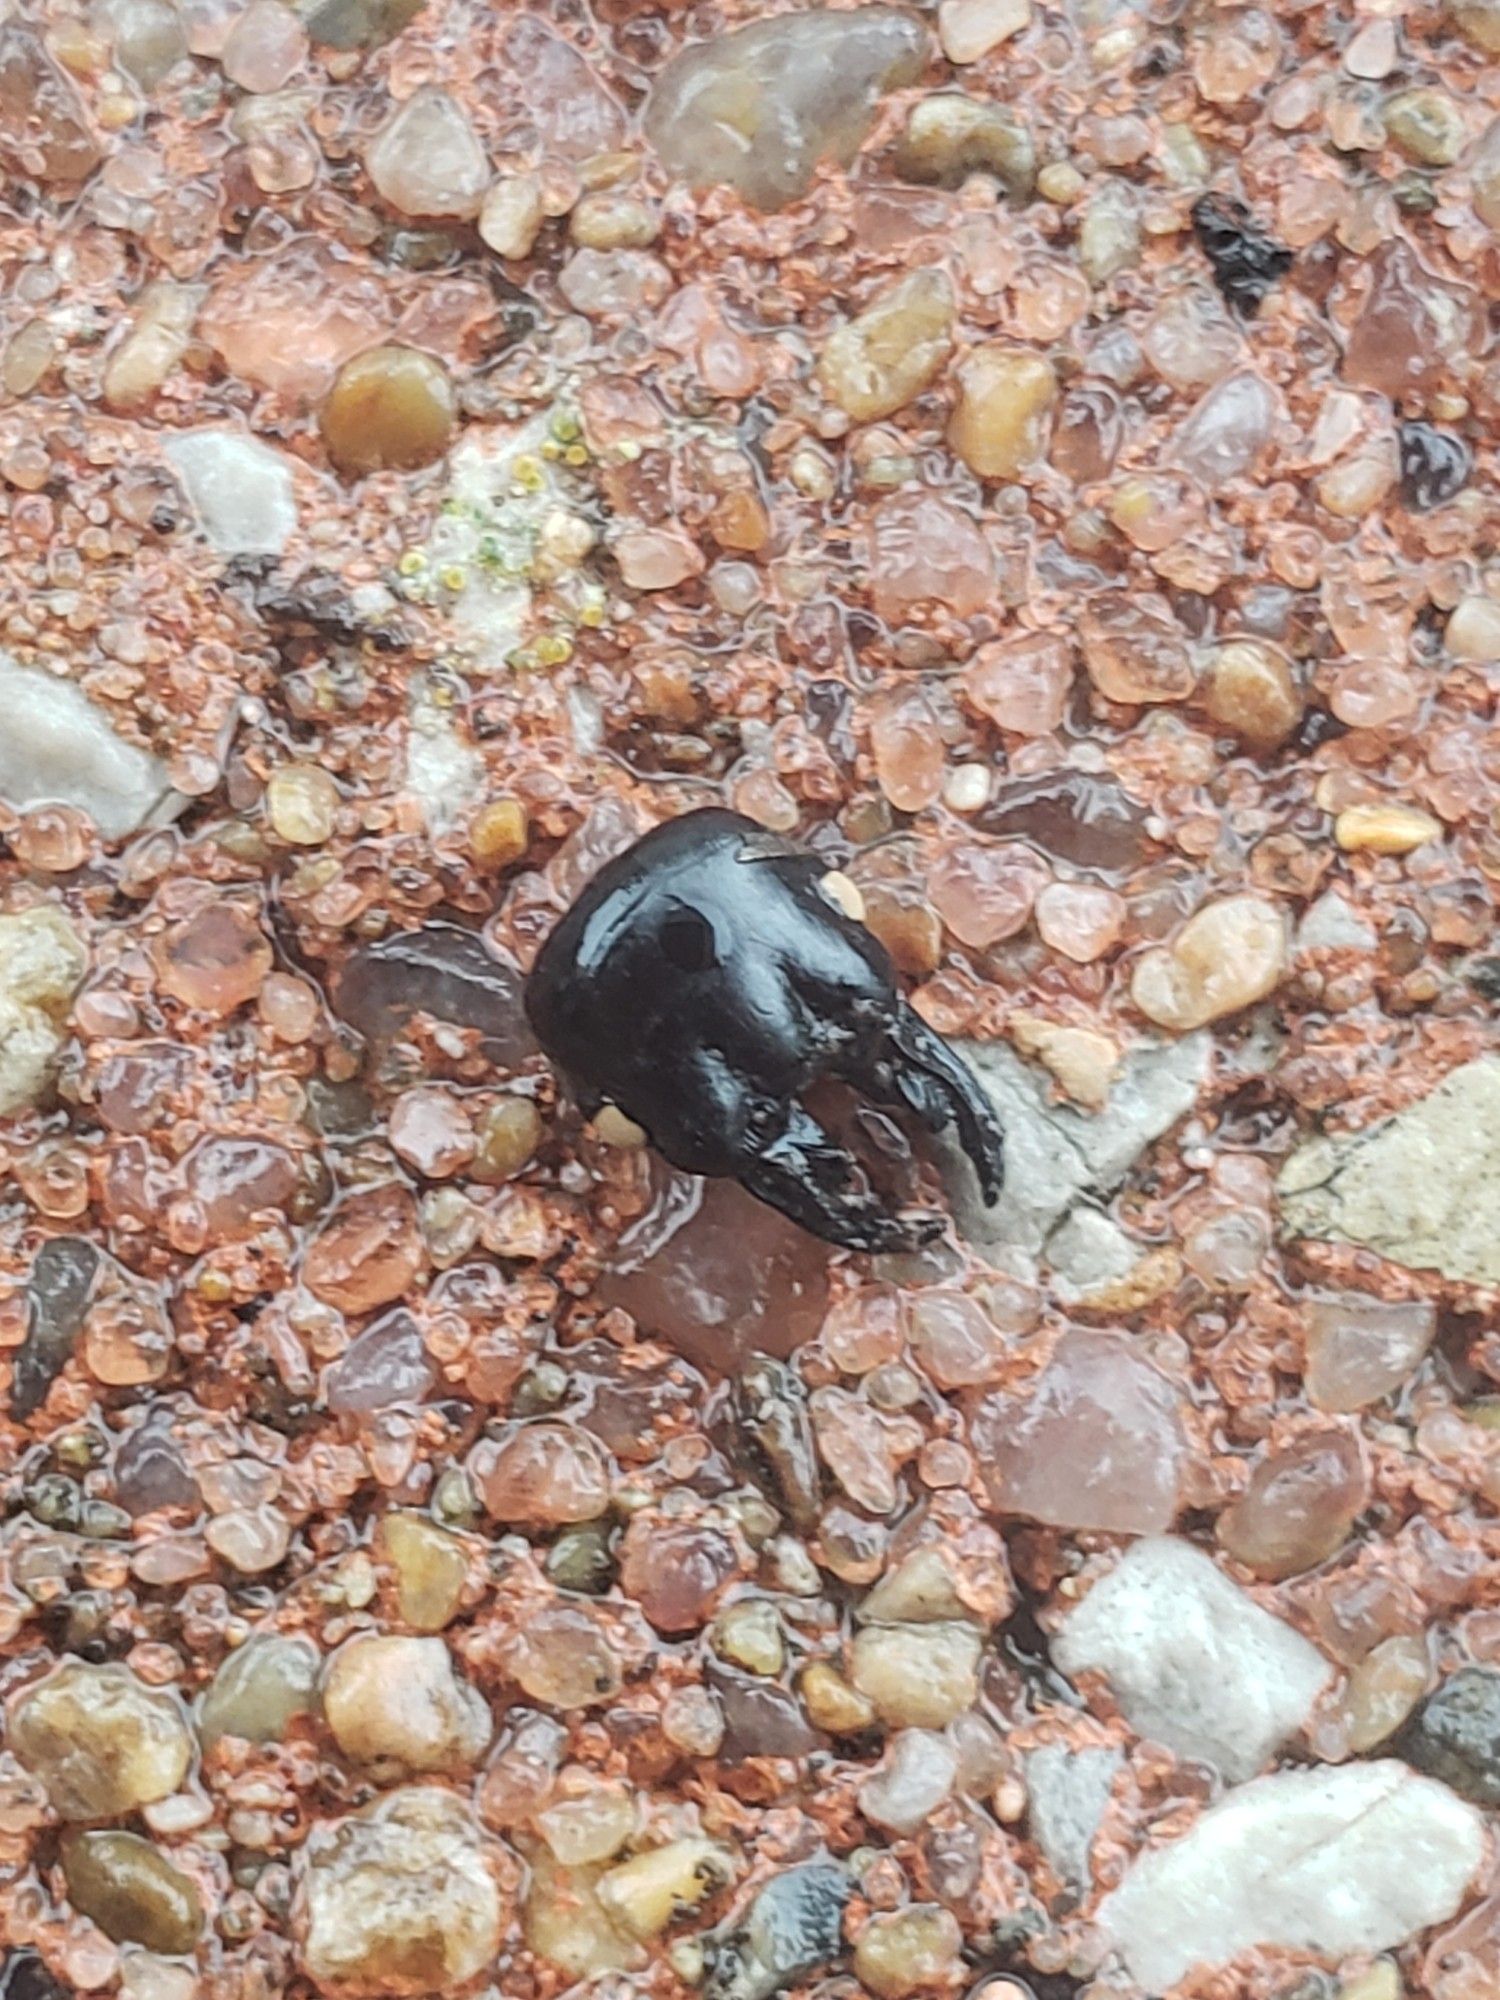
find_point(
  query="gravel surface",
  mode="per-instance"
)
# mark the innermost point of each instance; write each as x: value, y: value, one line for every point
x: 1039, y: 455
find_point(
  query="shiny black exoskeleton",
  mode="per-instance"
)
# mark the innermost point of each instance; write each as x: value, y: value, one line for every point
x: 703, y: 981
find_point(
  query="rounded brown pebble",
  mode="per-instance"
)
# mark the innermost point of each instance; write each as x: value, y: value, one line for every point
x: 132, y: 1892
x: 390, y: 408
x: 1251, y: 689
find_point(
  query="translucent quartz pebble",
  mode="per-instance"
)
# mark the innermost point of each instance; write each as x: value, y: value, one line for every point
x: 760, y: 108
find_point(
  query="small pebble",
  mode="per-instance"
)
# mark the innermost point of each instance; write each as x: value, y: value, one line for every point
x: 101, y: 1741
x: 907, y: 1950
x: 389, y: 407
x: 999, y: 425
x: 1231, y: 954
x: 878, y: 362
x: 512, y: 216
x: 1385, y: 829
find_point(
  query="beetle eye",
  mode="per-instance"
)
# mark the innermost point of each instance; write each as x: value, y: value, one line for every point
x: 687, y: 939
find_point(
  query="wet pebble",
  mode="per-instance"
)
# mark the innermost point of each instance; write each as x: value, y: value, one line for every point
x: 101, y: 1741
x: 389, y: 407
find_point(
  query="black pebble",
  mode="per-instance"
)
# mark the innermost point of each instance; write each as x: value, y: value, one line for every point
x: 1434, y: 465
x: 24, y: 1977
x: 1246, y: 261
x: 1455, y: 1735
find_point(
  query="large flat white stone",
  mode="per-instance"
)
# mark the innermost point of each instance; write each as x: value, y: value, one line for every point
x: 58, y: 749
x: 1194, y: 1663
x: 1356, y: 1858
x: 1422, y: 1188
x: 1057, y: 1155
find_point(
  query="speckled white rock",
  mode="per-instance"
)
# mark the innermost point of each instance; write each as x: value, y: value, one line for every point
x: 500, y: 538
x: 1058, y: 1153
x: 1331, y: 1862
x: 100, y: 1740
x: 42, y: 962
x: 240, y: 489
x: 397, y: 1899
x: 1067, y: 1789
x: 58, y: 748
x: 1193, y: 1662
x: 1422, y: 1188
x: 443, y: 772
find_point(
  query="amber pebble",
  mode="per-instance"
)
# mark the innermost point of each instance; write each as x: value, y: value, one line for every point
x: 1252, y: 690
x: 216, y: 961
x: 1298, y: 1508
x: 389, y: 407
x: 132, y: 1892
x: 368, y: 1253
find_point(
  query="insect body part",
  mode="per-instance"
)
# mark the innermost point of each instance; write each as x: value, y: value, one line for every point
x: 704, y: 981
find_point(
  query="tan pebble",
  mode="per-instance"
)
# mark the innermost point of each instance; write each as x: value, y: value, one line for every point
x: 568, y: 1928
x: 831, y: 1703
x: 1426, y: 125
x: 648, y: 1892
x: 499, y: 833
x: 1380, y: 1981
x: 969, y: 29
x: 1228, y: 956
x: 950, y: 136
x: 1109, y: 236
x: 1153, y: 1277
x: 999, y: 427
x: 748, y: 1633
x: 1384, y: 1688
x: 1060, y: 183
x: 399, y: 1898
x: 877, y: 363
x: 590, y: 1824
x: 158, y: 339
x: 613, y: 1128
x: 397, y: 1703
x: 905, y: 1950
x: 1478, y: 21
x: 1082, y: 1059
x: 1251, y: 689
x: 1357, y: 484
x: 100, y: 1740
x: 608, y: 221
x: 918, y: 1676
x: 1473, y: 630
x: 843, y: 894
x: 921, y: 1589
x: 1384, y: 829
x: 431, y: 1569
x: 302, y: 802
x: 512, y: 215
